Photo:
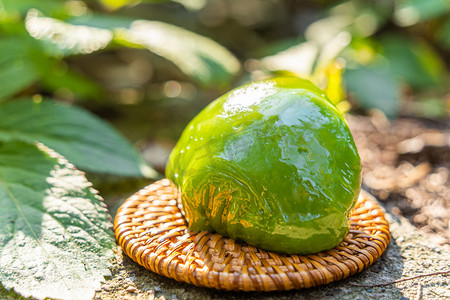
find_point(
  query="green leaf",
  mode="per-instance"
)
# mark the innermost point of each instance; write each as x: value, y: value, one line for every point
x: 22, y: 63
x: 298, y: 59
x: 443, y: 35
x: 197, y: 56
x: 59, y: 38
x: 56, y: 239
x: 22, y: 6
x: 16, y: 70
x: 116, y: 4
x: 84, y: 139
x: 200, y: 58
x: 76, y: 83
x: 414, y: 61
x: 102, y: 21
x: 374, y: 88
x: 192, y: 5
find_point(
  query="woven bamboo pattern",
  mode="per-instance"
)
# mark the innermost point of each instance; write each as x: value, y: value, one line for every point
x: 151, y: 229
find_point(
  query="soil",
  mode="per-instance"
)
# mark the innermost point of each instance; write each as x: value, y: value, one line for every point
x: 406, y: 165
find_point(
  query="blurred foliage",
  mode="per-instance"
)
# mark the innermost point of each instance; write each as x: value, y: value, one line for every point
x: 76, y: 50
x: 366, y: 54
x: 38, y: 40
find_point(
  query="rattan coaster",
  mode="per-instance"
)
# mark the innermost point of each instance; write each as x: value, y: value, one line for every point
x: 152, y: 231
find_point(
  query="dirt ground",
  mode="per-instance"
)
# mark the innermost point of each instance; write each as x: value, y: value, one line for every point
x: 406, y: 165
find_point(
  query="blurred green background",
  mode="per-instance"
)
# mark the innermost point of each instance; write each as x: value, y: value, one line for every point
x: 147, y: 67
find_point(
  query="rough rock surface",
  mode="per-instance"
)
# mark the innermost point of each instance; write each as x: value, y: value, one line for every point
x: 410, y: 253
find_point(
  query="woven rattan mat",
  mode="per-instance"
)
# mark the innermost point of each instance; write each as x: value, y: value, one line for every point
x: 152, y: 231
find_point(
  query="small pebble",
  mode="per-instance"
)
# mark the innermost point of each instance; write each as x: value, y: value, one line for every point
x: 131, y: 289
x: 106, y: 288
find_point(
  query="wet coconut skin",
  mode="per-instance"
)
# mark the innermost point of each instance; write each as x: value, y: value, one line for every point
x: 271, y: 163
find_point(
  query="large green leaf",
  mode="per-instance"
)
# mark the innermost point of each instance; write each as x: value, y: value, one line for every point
x: 16, y: 69
x: 23, y: 63
x: 56, y: 239
x: 197, y: 56
x: 60, y: 38
x: 84, y: 139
